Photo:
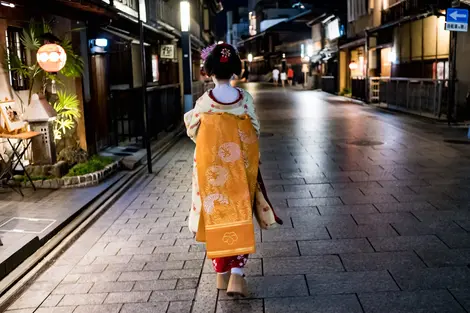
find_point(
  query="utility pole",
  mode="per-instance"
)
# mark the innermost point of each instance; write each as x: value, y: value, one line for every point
x: 143, y: 70
x: 451, y: 104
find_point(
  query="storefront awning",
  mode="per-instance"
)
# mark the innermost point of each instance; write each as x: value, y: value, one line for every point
x: 353, y: 44
x: 126, y: 37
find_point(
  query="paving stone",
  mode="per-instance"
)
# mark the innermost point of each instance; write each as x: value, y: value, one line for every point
x: 362, y: 199
x: 101, y: 287
x: 318, y: 221
x: 180, y: 307
x: 381, y: 261
x: 187, y: 256
x: 403, y: 243
x: 446, y: 257
x: 174, y: 274
x: 456, y: 240
x: 72, y: 288
x: 52, y: 301
x: 381, y: 218
x: 159, y: 266
x: 156, y: 257
x: 138, y: 250
x: 83, y: 299
x: 299, y: 233
x: 94, y: 268
x: 172, y: 295
x: 425, y: 301
x: 361, y: 231
x: 416, y: 228
x: 463, y: 296
x: 350, y: 282
x: 65, y: 309
x: 151, y: 285
x: 116, y: 259
x: 433, y: 216
x: 302, y: 265
x: 313, y: 202
x: 29, y: 299
x: 193, y: 264
x: 129, y: 267
x: 404, y: 207
x: 275, y: 249
x: 97, y: 277
x: 432, y: 278
x: 319, y: 247
x: 464, y: 224
x: 55, y: 273
x: 102, y: 308
x: 240, y: 306
x: 128, y: 297
x: 347, y: 209
x: 144, y: 307
x: 187, y: 283
x: 315, y: 304
x: 138, y: 276
x: 279, y: 286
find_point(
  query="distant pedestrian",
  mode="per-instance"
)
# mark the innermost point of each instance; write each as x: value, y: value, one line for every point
x: 275, y: 76
x: 283, y: 79
x: 290, y: 76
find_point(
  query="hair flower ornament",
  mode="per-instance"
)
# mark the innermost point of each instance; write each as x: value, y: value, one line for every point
x: 207, y: 51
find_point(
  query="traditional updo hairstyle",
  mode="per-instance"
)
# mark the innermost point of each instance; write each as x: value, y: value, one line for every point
x: 222, y: 62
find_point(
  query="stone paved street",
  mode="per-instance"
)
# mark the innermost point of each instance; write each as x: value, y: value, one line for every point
x: 376, y: 211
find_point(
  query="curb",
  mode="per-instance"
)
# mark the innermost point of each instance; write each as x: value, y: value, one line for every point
x: 18, y: 280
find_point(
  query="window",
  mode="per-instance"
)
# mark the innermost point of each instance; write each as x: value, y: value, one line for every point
x: 16, y: 49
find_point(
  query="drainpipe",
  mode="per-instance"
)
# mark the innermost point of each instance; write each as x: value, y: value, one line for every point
x: 366, y: 95
x: 451, y: 104
x: 143, y: 70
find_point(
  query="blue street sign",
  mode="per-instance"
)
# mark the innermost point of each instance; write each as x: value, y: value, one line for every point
x: 457, y: 20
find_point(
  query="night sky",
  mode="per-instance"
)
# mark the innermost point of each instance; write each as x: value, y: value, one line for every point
x: 222, y: 16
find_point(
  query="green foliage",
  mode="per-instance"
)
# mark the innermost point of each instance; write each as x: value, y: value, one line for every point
x: 74, y: 65
x: 67, y: 107
x: 24, y: 178
x: 31, y: 39
x: 96, y: 163
x: 345, y: 91
x: 73, y: 155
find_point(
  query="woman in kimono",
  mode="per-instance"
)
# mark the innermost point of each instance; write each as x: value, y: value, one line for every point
x: 225, y: 128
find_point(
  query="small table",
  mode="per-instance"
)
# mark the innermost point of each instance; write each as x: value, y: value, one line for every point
x: 15, y: 159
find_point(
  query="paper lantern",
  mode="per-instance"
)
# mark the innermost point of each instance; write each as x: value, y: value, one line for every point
x: 353, y: 66
x: 51, y: 58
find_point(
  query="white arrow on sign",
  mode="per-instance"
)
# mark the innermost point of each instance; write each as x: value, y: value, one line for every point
x: 455, y: 15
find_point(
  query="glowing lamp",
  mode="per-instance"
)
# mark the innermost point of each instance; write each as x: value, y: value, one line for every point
x: 185, y: 15
x: 51, y: 58
x: 353, y: 66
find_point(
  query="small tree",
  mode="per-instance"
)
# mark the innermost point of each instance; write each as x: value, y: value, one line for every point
x: 66, y: 105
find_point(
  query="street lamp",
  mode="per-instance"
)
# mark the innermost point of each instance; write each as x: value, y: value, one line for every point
x: 185, y: 16
x: 250, y: 57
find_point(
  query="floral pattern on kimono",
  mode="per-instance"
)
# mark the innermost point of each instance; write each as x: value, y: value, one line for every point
x: 206, y: 104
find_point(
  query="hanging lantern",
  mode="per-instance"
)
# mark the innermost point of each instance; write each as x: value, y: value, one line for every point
x: 51, y: 58
x: 353, y: 66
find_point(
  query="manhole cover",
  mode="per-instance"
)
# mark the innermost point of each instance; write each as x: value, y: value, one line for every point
x: 458, y: 142
x: 365, y: 143
x: 266, y: 135
x: 26, y: 225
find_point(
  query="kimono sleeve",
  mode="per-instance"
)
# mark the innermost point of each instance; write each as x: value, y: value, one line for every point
x: 252, y: 113
x: 192, y: 121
